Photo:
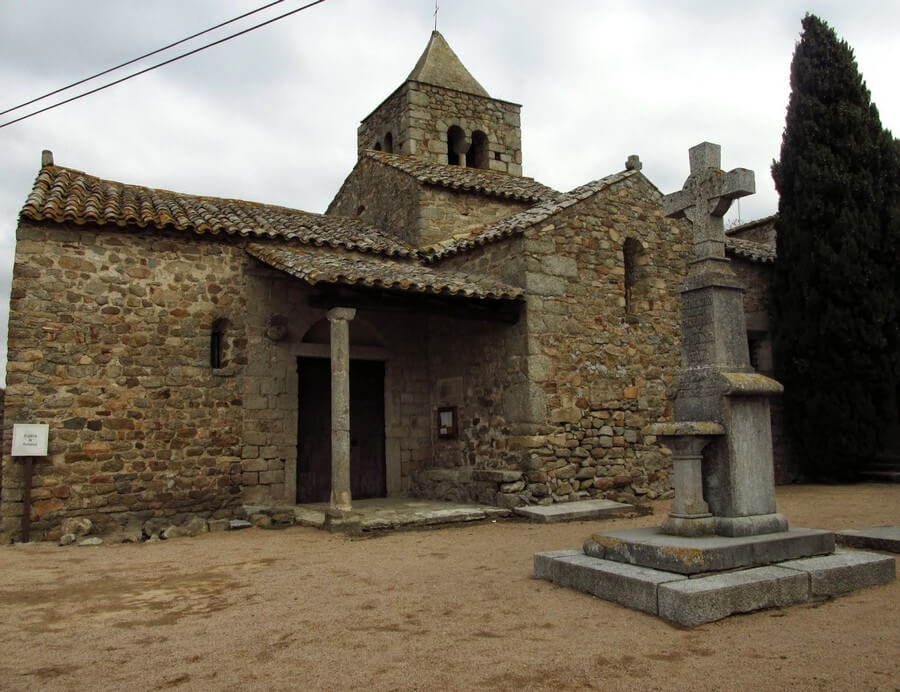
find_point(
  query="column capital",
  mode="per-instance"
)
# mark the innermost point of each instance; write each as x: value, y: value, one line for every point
x: 345, y: 314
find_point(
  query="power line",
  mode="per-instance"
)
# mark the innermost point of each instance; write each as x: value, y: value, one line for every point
x: 145, y: 55
x: 162, y: 64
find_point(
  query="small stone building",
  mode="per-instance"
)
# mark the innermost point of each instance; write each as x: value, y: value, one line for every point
x: 493, y: 339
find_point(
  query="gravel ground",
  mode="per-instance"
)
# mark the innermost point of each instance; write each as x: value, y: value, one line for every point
x: 454, y: 608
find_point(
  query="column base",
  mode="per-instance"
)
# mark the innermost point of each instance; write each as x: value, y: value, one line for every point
x: 701, y: 525
x: 753, y: 525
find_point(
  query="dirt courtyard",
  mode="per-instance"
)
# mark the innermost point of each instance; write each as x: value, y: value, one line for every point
x: 454, y: 608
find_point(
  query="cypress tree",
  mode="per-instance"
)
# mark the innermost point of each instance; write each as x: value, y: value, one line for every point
x: 835, y: 283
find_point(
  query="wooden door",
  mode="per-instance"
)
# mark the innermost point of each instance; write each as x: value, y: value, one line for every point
x: 367, y: 469
x: 314, y: 430
x: 367, y: 473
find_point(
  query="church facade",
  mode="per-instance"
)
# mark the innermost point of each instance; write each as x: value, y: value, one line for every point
x: 447, y: 328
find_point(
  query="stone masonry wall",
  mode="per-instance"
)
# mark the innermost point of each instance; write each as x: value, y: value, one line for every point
x: 444, y: 213
x: 391, y: 115
x: 606, y: 368
x: 109, y: 344
x: 419, y: 115
x: 597, y: 369
x: 382, y: 197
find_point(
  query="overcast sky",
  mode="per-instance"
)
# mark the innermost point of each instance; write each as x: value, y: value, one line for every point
x: 271, y: 116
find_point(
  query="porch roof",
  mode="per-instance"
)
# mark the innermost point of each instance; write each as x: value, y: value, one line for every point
x: 380, y: 273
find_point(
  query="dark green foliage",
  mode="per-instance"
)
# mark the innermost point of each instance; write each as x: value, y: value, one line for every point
x: 836, y: 281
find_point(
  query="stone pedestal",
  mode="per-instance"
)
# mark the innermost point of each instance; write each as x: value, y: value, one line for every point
x: 690, y: 515
x: 339, y: 318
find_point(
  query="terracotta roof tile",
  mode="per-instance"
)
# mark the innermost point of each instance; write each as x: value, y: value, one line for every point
x: 479, y: 180
x: 345, y: 268
x: 66, y: 195
x: 517, y: 223
x: 750, y: 250
x: 756, y: 223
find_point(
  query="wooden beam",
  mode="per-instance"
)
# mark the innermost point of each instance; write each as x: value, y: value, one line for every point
x: 381, y: 300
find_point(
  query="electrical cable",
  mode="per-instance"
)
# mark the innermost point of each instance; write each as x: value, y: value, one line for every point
x: 161, y: 64
x: 134, y: 60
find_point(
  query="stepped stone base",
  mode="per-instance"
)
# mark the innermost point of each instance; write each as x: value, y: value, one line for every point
x: 694, y: 601
x: 697, y: 555
x: 877, y: 538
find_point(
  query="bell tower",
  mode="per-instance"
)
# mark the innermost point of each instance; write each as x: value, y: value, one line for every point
x: 441, y: 114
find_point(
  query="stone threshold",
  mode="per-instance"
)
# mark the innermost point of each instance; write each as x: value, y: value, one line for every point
x: 574, y: 511
x: 386, y: 514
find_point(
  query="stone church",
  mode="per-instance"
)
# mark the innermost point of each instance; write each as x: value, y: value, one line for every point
x: 447, y: 329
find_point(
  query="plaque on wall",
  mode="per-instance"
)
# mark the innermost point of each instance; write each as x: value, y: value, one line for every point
x: 30, y: 439
x: 447, y: 422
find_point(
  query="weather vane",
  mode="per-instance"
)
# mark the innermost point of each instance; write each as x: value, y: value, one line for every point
x: 436, y: 8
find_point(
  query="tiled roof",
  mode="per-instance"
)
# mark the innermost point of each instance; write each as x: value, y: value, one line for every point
x: 517, y: 223
x: 750, y: 250
x: 66, y: 195
x: 765, y: 221
x: 372, y: 272
x: 487, y: 182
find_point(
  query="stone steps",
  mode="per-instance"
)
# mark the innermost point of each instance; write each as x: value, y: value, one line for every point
x: 695, y: 601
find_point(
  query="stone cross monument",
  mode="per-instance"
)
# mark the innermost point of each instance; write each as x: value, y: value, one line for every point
x: 722, y: 404
x: 721, y: 445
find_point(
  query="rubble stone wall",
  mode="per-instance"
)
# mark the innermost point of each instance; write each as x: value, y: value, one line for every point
x: 382, y: 197
x: 109, y: 344
x: 607, y: 366
x: 592, y: 368
x: 444, y: 213
x: 392, y: 115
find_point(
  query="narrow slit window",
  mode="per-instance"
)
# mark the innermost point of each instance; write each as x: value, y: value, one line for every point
x: 218, y: 344
x: 631, y: 252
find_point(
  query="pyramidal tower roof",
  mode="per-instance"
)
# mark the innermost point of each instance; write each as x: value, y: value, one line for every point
x: 440, y: 66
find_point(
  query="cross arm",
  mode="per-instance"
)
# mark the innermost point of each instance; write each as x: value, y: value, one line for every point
x: 675, y: 203
x: 739, y: 182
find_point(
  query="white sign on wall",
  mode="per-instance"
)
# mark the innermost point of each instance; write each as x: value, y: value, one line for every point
x: 30, y: 439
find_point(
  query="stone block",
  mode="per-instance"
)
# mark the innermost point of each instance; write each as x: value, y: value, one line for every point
x: 572, y: 511
x: 650, y: 547
x: 877, y: 538
x: 628, y: 585
x: 496, y: 475
x: 693, y: 602
x: 844, y: 571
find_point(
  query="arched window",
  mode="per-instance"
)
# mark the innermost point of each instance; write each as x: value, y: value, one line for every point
x: 218, y: 344
x: 456, y: 146
x: 478, y: 152
x: 377, y: 146
x: 631, y: 252
x: 389, y: 143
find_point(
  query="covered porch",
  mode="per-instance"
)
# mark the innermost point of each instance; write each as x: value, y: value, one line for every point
x: 357, y: 397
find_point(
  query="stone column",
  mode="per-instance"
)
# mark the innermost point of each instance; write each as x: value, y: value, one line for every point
x: 340, y: 407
